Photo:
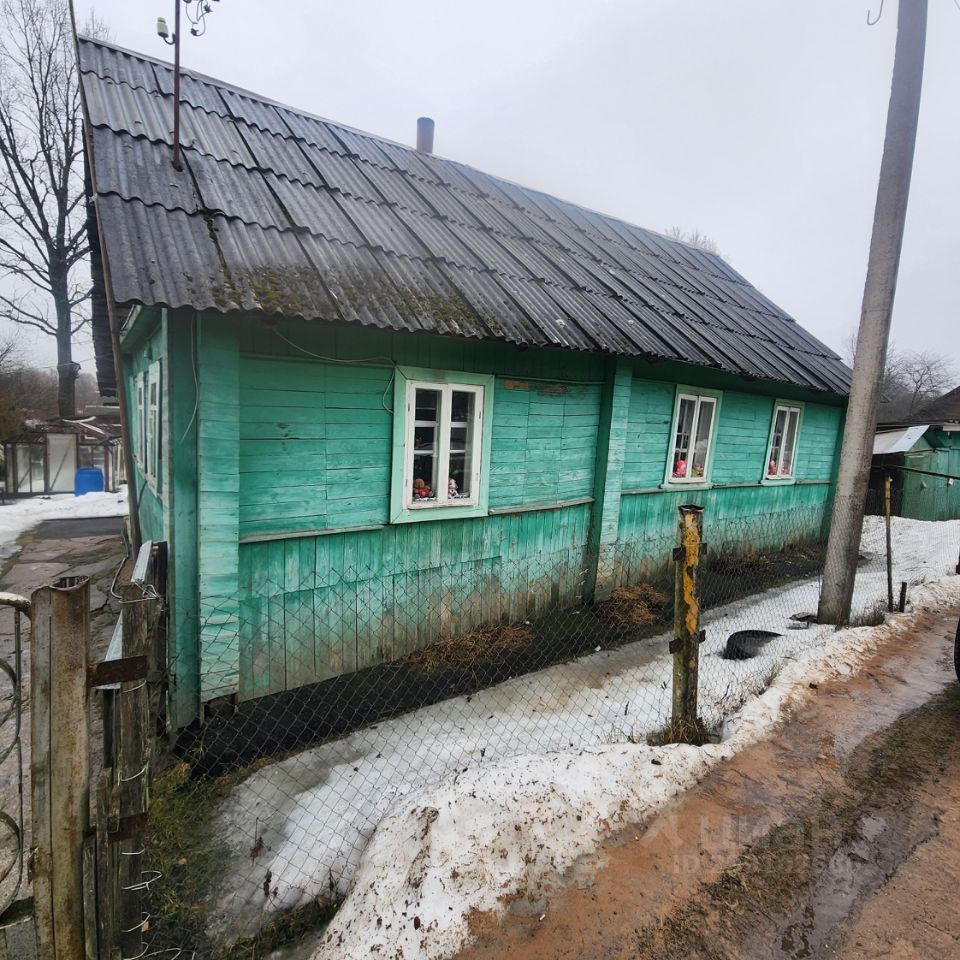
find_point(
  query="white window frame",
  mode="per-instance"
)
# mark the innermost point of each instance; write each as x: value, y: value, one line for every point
x: 403, y: 507
x: 700, y: 399
x: 152, y: 423
x: 789, y: 409
x: 442, y: 444
x: 141, y: 424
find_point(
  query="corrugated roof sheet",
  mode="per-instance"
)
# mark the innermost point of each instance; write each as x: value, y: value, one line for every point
x: 898, y: 441
x: 281, y: 212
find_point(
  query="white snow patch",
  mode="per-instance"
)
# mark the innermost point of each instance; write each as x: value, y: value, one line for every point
x: 19, y: 516
x: 534, y: 753
x: 473, y: 842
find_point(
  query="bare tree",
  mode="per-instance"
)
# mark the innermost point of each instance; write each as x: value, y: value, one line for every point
x: 891, y: 386
x: 11, y: 407
x: 911, y: 379
x: 925, y: 375
x: 695, y: 238
x: 25, y: 393
x: 43, y: 237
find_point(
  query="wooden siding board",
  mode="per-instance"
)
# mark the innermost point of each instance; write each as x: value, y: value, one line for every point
x: 608, y: 478
x: 356, y: 598
x: 218, y: 511
x: 179, y: 453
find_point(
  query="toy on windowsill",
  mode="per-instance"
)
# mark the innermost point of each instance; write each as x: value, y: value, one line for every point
x: 453, y: 491
x: 680, y: 468
x: 420, y: 489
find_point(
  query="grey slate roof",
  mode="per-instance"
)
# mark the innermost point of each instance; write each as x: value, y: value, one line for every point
x: 280, y: 212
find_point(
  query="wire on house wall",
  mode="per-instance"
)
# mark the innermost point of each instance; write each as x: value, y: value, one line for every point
x: 196, y: 378
x: 387, y: 361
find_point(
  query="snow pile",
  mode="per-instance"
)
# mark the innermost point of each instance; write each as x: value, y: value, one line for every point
x: 317, y: 810
x: 487, y: 836
x: 19, y: 516
x: 475, y: 842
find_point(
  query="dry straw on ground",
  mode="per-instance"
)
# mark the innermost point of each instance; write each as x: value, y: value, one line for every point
x: 635, y: 606
x: 484, y: 643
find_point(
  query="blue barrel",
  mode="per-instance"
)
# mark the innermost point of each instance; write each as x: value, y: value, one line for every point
x: 88, y: 480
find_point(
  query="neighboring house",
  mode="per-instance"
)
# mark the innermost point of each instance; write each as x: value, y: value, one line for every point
x: 45, y: 456
x: 388, y: 397
x: 929, y: 442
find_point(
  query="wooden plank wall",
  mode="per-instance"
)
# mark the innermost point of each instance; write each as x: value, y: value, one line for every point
x: 933, y: 498
x: 316, y: 607
x: 180, y: 423
x: 218, y: 490
x: 544, y: 441
x: 758, y: 515
x: 294, y: 454
x: 314, y: 445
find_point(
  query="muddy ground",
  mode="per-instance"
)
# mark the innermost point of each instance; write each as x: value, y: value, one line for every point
x: 838, y: 837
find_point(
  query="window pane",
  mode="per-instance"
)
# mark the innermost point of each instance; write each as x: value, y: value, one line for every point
x: 426, y: 430
x: 462, y: 417
x: 681, y: 446
x: 24, y: 462
x: 777, y: 444
x: 427, y: 405
x: 789, y: 445
x: 702, y: 446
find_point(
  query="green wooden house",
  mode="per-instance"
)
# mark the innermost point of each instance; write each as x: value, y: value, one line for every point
x: 922, y: 457
x: 378, y: 397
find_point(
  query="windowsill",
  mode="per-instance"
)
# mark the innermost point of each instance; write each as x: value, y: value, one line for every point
x: 778, y: 481
x: 448, y: 512
x: 426, y: 504
x: 686, y: 485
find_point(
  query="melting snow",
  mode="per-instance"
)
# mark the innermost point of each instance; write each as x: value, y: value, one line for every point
x: 20, y: 515
x: 455, y: 807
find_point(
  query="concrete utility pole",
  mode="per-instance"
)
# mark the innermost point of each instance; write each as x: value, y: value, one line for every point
x: 888, y: 219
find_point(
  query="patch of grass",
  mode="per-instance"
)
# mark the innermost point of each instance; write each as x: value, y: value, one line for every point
x: 636, y: 606
x: 695, y: 733
x: 483, y: 643
x: 308, y: 920
x: 180, y: 845
x: 871, y: 616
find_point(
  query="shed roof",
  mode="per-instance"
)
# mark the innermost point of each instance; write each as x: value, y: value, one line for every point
x: 88, y: 429
x: 945, y: 408
x: 280, y: 212
x: 898, y: 440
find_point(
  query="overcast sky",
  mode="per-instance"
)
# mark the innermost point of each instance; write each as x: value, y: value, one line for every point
x: 758, y: 123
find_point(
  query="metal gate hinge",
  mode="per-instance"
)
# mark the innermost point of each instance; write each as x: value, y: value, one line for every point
x: 116, y: 671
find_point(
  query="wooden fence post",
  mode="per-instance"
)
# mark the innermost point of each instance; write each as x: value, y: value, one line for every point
x: 59, y: 763
x: 133, y: 768
x: 685, y: 726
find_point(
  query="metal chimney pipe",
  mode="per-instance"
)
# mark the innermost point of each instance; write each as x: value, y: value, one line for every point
x: 425, y: 127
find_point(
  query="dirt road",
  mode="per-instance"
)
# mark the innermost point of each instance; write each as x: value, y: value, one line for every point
x: 838, y: 837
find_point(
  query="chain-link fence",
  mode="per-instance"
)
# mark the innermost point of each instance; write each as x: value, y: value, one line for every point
x: 358, y: 688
